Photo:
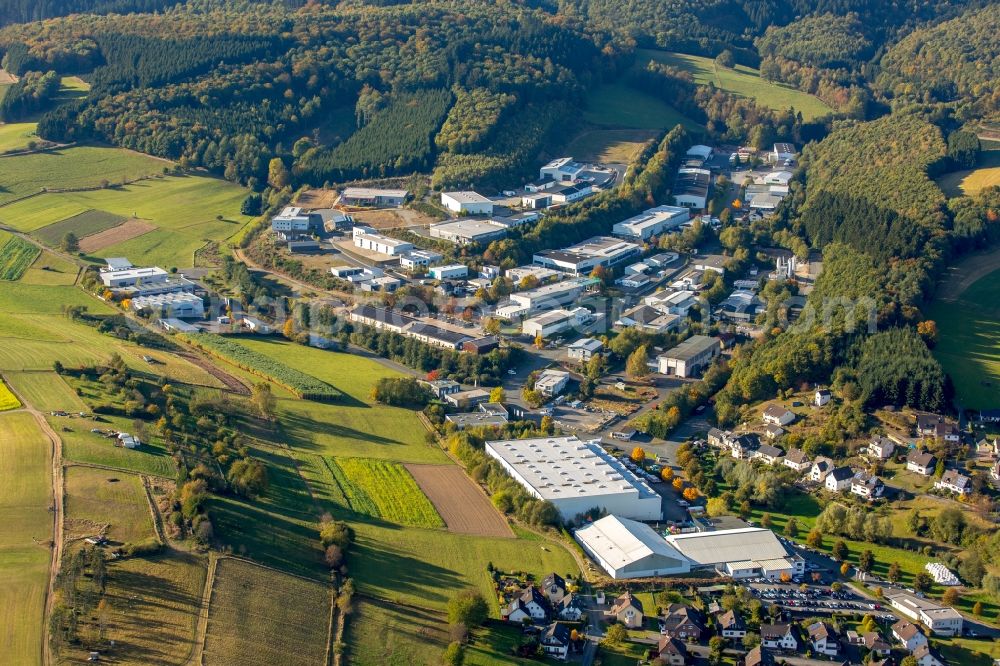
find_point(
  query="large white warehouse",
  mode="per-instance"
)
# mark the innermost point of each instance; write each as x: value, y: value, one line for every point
x: 629, y: 549
x: 652, y: 222
x: 746, y: 552
x: 576, y: 477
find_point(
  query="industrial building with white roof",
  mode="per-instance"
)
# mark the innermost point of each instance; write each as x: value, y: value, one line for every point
x: 576, y: 477
x: 629, y: 549
x: 747, y: 552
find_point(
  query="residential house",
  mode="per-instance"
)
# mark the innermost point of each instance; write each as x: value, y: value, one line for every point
x: 876, y: 644
x: 881, y: 448
x: 939, y: 619
x: 824, y: 639
x: 769, y: 454
x: 773, y: 432
x: 627, y: 610
x: 927, y: 424
x: 921, y: 462
x: 555, y: 640
x: 948, y: 432
x: 742, y: 447
x: 571, y: 608
x: 954, y: 481
x: 995, y: 471
x: 731, y: 625
x: 554, y: 587
x: 867, y: 486
x: 909, y: 635
x: 925, y: 656
x: 672, y: 651
x: 683, y: 622
x: 529, y: 605
x: 758, y: 657
x: 822, y: 397
x: 778, y: 637
x: 839, y: 479
x: 778, y: 415
x: 821, y: 467
x: 797, y: 460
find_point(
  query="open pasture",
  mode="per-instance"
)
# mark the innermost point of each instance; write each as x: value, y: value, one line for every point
x: 50, y: 270
x: 46, y: 391
x: 25, y: 497
x: 617, y: 105
x: 354, y: 426
x: 609, y: 146
x: 112, y: 504
x: 154, y: 603
x: 183, y: 212
x: 460, y: 502
x: 82, y: 446
x: 740, y: 80
x: 969, y: 341
x: 388, y: 489
x: 970, y: 181
x: 260, y: 617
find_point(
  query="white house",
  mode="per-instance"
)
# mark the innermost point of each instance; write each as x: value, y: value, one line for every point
x: 778, y: 415
x: 731, y: 625
x: 555, y: 640
x: 552, y: 382
x: 881, y: 448
x: 824, y: 639
x: 839, y: 479
x: 467, y: 203
x: 921, y: 462
x: 955, y: 482
x: 821, y: 467
x: 778, y: 637
x: 822, y: 397
x: 797, y: 460
x: 939, y: 619
x: 867, y: 486
x: 909, y: 635
x: 530, y: 604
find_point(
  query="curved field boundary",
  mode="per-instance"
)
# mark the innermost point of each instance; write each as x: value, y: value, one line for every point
x: 460, y: 502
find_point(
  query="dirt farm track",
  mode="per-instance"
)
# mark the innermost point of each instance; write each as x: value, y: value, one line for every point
x: 460, y: 502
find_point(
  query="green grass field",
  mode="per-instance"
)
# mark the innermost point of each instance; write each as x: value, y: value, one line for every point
x: 388, y: 489
x: 16, y: 256
x: 79, y: 166
x: 50, y: 270
x: 82, y: 446
x: 184, y: 209
x: 8, y: 400
x: 970, y: 181
x: 742, y: 81
x: 17, y: 136
x: 82, y: 224
x: 260, y: 617
x: 617, y: 105
x: 99, y: 501
x: 969, y: 341
x: 154, y: 604
x: 382, y: 633
x: 609, y: 146
x: 355, y: 427
x: 25, y: 497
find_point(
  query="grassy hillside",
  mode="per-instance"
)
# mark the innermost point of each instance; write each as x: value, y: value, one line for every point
x: 741, y: 80
x: 617, y: 105
x: 25, y: 496
x: 969, y: 341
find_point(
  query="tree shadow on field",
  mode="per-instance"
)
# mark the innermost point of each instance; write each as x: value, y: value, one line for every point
x: 401, y: 573
x: 301, y: 430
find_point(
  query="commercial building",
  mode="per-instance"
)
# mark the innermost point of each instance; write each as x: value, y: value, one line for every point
x: 940, y: 620
x: 571, y: 193
x: 576, y: 477
x: 562, y: 169
x: 546, y: 297
x: 419, y: 259
x: 468, y: 230
x: 584, y: 349
x: 467, y: 203
x: 552, y: 382
x: 367, y: 239
x: 584, y: 257
x: 628, y: 549
x: 554, y: 322
x: 370, y: 196
x: 180, y: 305
x: 393, y: 320
x: 748, y: 552
x: 689, y: 357
x: 783, y: 152
x: 449, y: 271
x: 691, y: 187
x: 652, y: 222
x: 292, y: 222
x: 150, y: 281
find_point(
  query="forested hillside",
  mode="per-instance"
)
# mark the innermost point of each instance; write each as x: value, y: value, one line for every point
x: 953, y: 61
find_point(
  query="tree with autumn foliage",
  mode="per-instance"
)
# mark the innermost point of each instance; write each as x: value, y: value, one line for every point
x: 678, y: 484
x: 638, y: 455
x: 691, y: 494
x: 667, y: 473
x: 928, y: 331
